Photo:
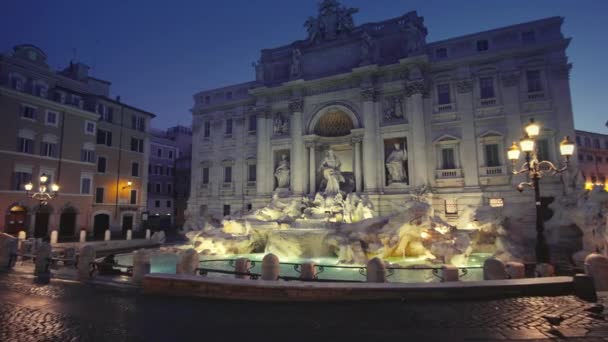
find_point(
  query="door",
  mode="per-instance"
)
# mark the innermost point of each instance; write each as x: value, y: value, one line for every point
x: 41, y: 225
x: 67, y: 224
x: 127, y: 223
x: 15, y: 220
x: 101, y: 223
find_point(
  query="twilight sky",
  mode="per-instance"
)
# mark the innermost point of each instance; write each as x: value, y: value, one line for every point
x: 157, y: 54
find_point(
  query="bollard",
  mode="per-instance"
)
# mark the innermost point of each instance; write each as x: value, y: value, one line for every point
x: 54, y: 235
x: 106, y: 236
x: 376, y: 271
x: 270, y: 267
x: 21, y: 239
x: 596, y: 266
x: 449, y: 273
x: 493, y: 269
x: 308, y: 271
x: 141, y: 265
x: 147, y: 234
x: 8, y: 249
x: 515, y: 270
x: 187, y: 262
x: 584, y: 287
x: 42, y: 265
x: 242, y: 265
x: 129, y: 234
x: 544, y: 270
x: 83, y: 236
x: 86, y: 256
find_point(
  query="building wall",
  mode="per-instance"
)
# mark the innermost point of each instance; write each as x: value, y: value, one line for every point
x: 370, y: 95
x: 593, y: 158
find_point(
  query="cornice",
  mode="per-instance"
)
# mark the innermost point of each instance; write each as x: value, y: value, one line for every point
x: 60, y: 107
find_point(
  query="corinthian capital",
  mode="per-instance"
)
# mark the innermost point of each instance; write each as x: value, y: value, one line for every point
x: 369, y: 94
x: 416, y: 87
x: 296, y: 105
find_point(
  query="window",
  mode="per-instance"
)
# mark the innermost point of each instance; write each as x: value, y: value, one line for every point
x: 168, y: 204
x: 135, y: 169
x: 101, y: 109
x: 528, y: 37
x: 228, y: 174
x: 104, y: 137
x: 251, y: 173
x: 441, y: 53
x: 492, y: 156
x: 25, y: 145
x: 138, y: 123
x: 107, y: 115
x: 451, y: 207
x: 606, y: 144
x: 207, y: 99
x: 578, y: 141
x: 447, y: 158
x: 228, y: 130
x: 87, y: 156
x: 99, y: 195
x: 85, y: 186
x: 48, y: 149
x: 133, y: 199
x: 90, y: 127
x: 51, y: 118
x: 170, y: 154
x: 482, y: 45
x: 101, y: 164
x: 28, y: 112
x: 249, y: 206
x: 533, y: 80
x: 207, y: 129
x: 137, y: 145
x: 589, y: 157
x: 443, y: 93
x: 59, y: 97
x: 226, y: 209
x: 41, y: 90
x: 542, y: 148
x: 596, y: 143
x: 76, y: 101
x: 157, y: 188
x: 205, y: 175
x: 20, y: 179
x: 253, y: 123
x: 17, y: 83
x: 581, y: 157
x: 169, y: 188
x: 587, y: 142
x: 486, y: 87
x: 157, y: 204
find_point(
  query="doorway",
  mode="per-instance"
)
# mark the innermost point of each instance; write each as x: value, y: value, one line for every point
x: 16, y: 220
x: 127, y: 223
x: 101, y: 223
x: 67, y: 223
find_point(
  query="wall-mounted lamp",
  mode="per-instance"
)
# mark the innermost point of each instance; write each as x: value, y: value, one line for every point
x: 129, y: 184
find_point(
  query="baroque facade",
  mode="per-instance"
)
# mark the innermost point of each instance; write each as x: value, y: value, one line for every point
x: 377, y: 109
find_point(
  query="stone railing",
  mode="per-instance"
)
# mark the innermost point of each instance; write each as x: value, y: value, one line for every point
x: 538, y: 95
x: 488, y: 102
x: 448, y: 173
x: 492, y: 170
x: 448, y: 107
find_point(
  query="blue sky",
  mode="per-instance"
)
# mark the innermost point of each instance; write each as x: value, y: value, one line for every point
x: 157, y: 54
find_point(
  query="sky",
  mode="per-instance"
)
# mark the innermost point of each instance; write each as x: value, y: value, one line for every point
x: 157, y: 54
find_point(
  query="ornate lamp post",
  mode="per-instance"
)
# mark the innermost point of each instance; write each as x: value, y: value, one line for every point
x: 536, y: 169
x: 43, y: 195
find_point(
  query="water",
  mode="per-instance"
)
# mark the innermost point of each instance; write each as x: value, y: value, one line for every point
x: 165, y: 263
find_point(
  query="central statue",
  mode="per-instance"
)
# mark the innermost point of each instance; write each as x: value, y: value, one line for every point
x: 330, y: 168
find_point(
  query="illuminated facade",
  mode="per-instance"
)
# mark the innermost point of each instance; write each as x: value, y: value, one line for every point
x: 400, y: 114
x: 593, y: 158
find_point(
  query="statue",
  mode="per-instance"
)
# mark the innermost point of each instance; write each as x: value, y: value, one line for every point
x: 393, y: 108
x: 415, y: 33
x: 395, y: 165
x: 332, y: 20
x: 367, y: 45
x: 296, y: 64
x: 280, y: 125
x: 282, y: 172
x: 330, y: 168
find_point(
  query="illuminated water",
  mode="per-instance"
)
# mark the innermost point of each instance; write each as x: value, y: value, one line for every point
x: 165, y: 263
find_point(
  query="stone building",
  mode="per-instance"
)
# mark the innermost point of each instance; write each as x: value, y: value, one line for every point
x: 51, y: 125
x: 593, y: 158
x: 377, y: 109
x: 169, y: 176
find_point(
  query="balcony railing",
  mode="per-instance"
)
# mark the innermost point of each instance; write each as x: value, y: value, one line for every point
x: 492, y: 170
x: 537, y: 95
x: 488, y: 102
x: 447, y: 107
x: 448, y: 173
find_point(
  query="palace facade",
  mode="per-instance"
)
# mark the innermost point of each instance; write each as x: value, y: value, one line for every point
x: 379, y: 110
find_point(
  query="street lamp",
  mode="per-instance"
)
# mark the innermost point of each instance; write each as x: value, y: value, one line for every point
x: 43, y: 194
x: 536, y: 169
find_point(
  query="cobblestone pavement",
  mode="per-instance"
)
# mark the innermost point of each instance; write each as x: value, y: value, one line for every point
x: 67, y: 311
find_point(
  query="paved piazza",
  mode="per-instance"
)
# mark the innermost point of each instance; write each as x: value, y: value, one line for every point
x: 66, y: 311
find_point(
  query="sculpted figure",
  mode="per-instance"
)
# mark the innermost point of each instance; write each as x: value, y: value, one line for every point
x: 395, y: 165
x: 296, y: 64
x: 330, y: 168
x: 282, y: 172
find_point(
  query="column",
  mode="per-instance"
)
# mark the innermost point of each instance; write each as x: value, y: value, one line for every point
x: 414, y: 90
x: 357, y: 159
x: 263, y: 166
x: 312, y: 168
x: 298, y: 153
x: 370, y: 156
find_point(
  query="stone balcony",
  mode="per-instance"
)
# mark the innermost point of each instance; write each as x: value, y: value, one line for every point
x: 444, y: 108
x: 493, y: 175
x: 449, y: 178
